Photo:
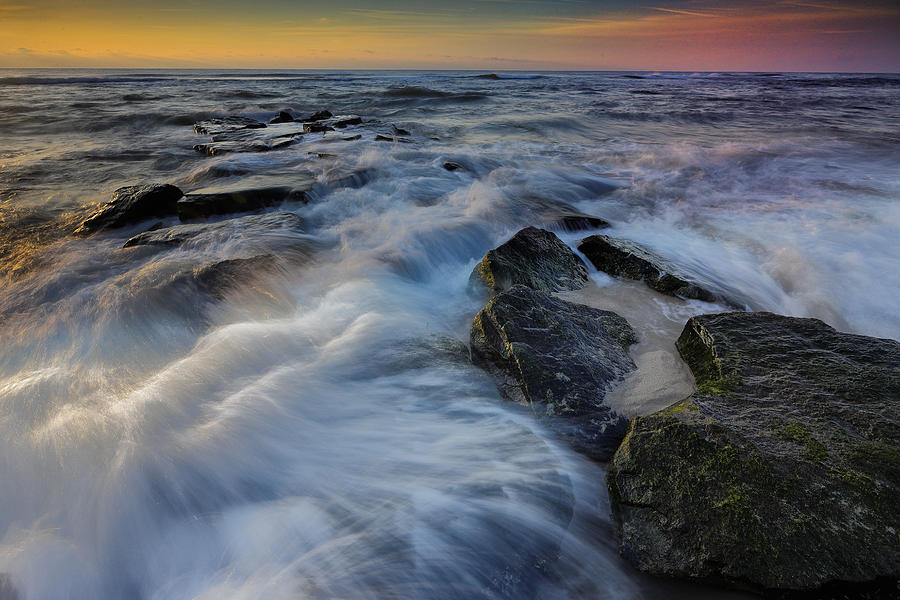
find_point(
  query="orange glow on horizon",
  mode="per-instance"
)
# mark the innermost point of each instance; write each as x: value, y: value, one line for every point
x: 796, y: 36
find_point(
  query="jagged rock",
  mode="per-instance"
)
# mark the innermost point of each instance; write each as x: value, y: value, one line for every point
x: 283, y: 117
x: 132, y: 204
x: 533, y: 257
x: 232, y: 229
x: 226, y: 125
x: 239, y: 134
x: 624, y: 258
x: 782, y: 472
x: 399, y: 130
x: 559, y: 357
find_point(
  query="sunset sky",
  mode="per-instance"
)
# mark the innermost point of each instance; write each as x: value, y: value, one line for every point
x: 738, y: 35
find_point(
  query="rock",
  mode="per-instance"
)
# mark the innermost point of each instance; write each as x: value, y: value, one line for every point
x: 316, y: 127
x: 226, y: 125
x: 218, y: 278
x: 132, y: 204
x: 250, y: 226
x: 492, y: 76
x: 384, y: 138
x: 782, y: 472
x: 624, y: 258
x: 535, y: 258
x: 452, y: 166
x: 561, y: 358
x: 283, y: 117
x: 332, y: 123
x: 229, y: 146
x: 239, y: 134
x: 317, y: 116
x: 399, y: 131
x: 579, y: 222
x: 247, y: 195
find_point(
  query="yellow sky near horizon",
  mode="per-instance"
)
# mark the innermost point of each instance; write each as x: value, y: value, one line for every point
x: 194, y: 33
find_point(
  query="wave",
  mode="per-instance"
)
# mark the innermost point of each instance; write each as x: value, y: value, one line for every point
x: 78, y: 80
x: 414, y: 91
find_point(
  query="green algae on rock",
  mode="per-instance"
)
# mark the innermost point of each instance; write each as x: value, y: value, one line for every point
x: 535, y: 258
x: 781, y: 473
x: 559, y: 357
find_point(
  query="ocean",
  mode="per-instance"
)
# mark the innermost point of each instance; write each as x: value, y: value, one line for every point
x: 305, y: 432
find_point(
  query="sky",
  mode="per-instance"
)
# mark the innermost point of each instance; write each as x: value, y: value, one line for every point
x: 495, y: 35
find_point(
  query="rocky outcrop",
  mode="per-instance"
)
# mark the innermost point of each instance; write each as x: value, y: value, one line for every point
x: 782, y: 472
x: 132, y: 204
x: 244, y: 196
x: 624, y: 258
x: 241, y: 134
x: 226, y: 125
x: 560, y: 358
x: 250, y: 226
x: 535, y: 258
x: 317, y: 116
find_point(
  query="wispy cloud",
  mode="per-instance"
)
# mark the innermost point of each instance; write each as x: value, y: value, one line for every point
x: 678, y: 11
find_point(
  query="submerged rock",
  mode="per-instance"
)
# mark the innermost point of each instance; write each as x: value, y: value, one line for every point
x: 782, y: 472
x: 579, y: 222
x: 559, y: 357
x: 227, y: 124
x: 247, y: 226
x: 624, y: 258
x: 132, y: 204
x: 452, y: 166
x: 244, y: 196
x: 535, y: 258
x: 218, y: 278
x: 231, y: 146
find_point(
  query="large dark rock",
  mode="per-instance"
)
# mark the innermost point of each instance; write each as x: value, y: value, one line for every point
x: 132, y: 204
x: 535, y: 258
x: 317, y: 116
x: 559, y: 357
x: 250, y: 226
x: 624, y: 258
x: 244, y: 196
x: 782, y: 472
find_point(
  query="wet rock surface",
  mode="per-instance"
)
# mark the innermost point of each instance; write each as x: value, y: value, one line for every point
x: 624, y: 258
x: 579, y: 222
x: 227, y: 125
x: 248, y: 194
x: 559, y: 357
x: 129, y: 205
x: 250, y: 226
x: 781, y: 473
x: 532, y: 257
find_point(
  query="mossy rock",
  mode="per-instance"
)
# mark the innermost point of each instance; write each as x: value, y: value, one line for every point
x: 782, y: 473
x: 535, y: 258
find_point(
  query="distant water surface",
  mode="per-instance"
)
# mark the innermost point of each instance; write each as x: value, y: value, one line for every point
x: 313, y: 433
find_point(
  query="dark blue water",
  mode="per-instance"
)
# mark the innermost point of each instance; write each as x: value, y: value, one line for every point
x: 274, y: 442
